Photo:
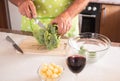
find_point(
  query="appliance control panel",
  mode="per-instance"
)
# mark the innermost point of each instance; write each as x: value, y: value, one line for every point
x: 92, y: 9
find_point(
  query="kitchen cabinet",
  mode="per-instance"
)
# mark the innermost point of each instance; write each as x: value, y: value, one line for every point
x: 4, y: 15
x: 110, y: 22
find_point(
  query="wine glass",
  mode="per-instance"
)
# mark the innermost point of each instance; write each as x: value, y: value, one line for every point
x: 75, y: 61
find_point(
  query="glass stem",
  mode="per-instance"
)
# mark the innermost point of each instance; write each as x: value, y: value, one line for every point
x: 76, y: 77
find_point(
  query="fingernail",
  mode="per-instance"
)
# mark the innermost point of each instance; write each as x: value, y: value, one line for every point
x: 34, y: 16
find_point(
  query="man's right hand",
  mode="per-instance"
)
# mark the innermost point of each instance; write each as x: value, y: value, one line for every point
x: 27, y: 9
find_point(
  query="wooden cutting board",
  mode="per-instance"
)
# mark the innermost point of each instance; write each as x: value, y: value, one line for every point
x: 31, y: 46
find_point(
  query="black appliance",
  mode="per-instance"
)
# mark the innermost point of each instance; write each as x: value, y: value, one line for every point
x: 90, y: 21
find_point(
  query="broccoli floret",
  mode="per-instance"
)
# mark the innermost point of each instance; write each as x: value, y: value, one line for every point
x: 48, y: 37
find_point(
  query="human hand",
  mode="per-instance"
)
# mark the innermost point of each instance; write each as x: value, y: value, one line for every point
x: 63, y: 22
x: 27, y: 9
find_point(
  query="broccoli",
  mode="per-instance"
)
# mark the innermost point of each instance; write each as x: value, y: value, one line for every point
x: 48, y: 37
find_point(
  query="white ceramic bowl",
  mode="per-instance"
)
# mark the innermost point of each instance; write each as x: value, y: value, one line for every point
x: 92, y: 45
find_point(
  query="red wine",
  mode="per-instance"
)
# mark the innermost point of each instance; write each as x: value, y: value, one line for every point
x: 76, y: 63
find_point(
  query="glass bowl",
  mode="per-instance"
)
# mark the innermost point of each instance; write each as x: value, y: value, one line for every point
x: 50, y: 72
x: 92, y: 45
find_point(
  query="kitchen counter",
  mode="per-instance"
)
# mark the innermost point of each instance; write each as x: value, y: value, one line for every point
x: 116, y: 2
x: 23, y: 67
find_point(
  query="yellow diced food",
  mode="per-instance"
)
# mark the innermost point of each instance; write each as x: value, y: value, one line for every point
x: 56, y: 70
x: 51, y: 70
x: 55, y: 76
x: 51, y: 67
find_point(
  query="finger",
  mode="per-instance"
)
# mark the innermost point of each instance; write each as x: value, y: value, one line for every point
x: 60, y: 28
x: 33, y: 10
x: 28, y: 12
x: 64, y: 29
x: 69, y: 26
x: 22, y: 11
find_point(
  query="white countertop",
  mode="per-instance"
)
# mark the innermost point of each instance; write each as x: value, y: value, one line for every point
x: 17, y: 67
x: 107, y: 1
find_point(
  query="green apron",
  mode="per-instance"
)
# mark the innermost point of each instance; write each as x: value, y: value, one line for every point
x: 47, y: 10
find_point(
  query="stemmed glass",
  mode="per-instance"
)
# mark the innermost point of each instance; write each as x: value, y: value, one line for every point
x: 75, y: 61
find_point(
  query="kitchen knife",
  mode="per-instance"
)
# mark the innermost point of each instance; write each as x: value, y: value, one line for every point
x: 14, y: 44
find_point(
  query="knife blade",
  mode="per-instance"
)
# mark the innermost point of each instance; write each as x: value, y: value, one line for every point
x: 39, y: 23
x: 8, y: 38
